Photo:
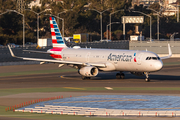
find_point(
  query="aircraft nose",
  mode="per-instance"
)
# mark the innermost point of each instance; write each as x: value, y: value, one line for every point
x: 158, y: 65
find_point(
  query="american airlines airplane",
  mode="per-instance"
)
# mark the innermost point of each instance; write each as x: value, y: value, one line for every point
x: 90, y: 61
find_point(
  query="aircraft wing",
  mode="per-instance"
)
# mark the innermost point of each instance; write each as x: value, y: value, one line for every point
x: 58, y: 61
x: 170, y: 53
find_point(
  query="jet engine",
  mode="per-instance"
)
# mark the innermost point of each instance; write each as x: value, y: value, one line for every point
x: 138, y: 73
x: 88, y: 71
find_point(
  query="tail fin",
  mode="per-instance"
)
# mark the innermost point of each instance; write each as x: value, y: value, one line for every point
x: 57, y: 40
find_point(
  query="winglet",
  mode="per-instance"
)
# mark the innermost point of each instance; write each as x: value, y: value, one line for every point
x: 169, y: 49
x: 12, y: 54
x: 170, y: 53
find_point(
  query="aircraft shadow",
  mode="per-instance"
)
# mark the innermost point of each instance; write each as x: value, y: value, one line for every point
x: 108, y: 76
x: 128, y: 76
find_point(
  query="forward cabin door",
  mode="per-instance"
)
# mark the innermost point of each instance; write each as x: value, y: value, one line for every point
x: 139, y: 58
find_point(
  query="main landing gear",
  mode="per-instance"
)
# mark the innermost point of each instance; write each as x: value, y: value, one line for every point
x: 147, y: 79
x: 120, y: 75
x: 85, y: 78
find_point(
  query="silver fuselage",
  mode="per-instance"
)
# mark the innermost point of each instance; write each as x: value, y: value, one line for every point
x: 115, y: 60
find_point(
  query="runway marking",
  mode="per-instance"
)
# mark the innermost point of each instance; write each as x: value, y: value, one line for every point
x: 68, y: 77
x: 62, y: 76
x: 74, y: 88
x: 109, y: 88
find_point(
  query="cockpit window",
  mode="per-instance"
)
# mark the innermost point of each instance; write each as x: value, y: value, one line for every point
x: 152, y: 58
x: 147, y: 58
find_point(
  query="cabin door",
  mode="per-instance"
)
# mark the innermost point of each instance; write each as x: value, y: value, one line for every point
x: 139, y: 58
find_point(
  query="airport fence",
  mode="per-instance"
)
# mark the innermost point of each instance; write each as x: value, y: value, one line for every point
x: 159, y: 47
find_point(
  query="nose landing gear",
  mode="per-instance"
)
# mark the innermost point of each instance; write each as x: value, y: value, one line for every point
x: 147, y: 79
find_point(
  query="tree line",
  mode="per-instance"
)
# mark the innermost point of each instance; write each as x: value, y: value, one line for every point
x: 79, y: 19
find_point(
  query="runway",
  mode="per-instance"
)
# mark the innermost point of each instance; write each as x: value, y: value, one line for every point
x: 167, y: 77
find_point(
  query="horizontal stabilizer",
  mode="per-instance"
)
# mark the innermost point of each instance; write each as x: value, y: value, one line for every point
x: 37, y: 51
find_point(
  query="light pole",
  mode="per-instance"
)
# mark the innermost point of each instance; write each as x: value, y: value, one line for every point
x: 157, y: 21
x: 63, y: 12
x: 107, y: 28
x: 23, y: 23
x: 150, y: 22
x: 4, y: 13
x: 37, y: 21
x: 110, y: 19
x: 177, y: 7
x: 62, y: 22
x: 101, y: 17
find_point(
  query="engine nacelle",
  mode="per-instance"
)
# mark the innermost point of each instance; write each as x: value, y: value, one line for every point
x: 88, y: 71
x: 137, y: 73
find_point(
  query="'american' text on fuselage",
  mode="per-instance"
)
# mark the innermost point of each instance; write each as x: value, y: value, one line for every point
x: 124, y: 57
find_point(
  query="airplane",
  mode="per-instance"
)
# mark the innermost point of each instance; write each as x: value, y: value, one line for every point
x: 89, y: 61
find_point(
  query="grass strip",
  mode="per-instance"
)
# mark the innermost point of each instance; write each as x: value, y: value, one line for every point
x: 37, y: 72
x: 4, y: 92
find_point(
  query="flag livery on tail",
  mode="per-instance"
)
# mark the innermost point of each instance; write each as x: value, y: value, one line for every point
x: 57, y: 40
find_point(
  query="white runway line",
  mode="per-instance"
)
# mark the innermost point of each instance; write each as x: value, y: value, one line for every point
x: 109, y: 88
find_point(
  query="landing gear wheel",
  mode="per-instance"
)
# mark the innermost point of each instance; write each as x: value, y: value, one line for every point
x: 85, y: 78
x: 122, y: 75
x: 118, y: 76
x: 147, y: 79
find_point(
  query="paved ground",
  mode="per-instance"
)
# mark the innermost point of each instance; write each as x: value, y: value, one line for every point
x: 168, y: 77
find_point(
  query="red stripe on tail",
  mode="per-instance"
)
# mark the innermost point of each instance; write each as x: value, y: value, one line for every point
x: 53, y: 34
x: 51, y: 25
x: 54, y: 41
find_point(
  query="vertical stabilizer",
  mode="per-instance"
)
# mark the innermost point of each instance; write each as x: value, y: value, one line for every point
x: 57, y: 40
